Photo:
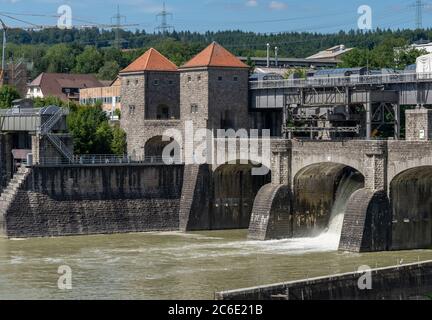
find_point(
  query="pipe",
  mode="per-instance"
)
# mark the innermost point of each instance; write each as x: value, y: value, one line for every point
x: 4, y: 45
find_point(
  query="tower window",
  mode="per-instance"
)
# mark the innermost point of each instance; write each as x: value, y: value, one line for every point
x: 156, y: 82
x: 194, y: 108
x: 235, y: 78
x: 199, y: 78
x: 189, y: 79
x: 220, y: 78
x: 170, y: 82
x: 131, y: 109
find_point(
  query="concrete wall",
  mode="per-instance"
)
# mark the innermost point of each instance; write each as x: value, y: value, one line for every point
x: 393, y: 283
x: 80, y: 200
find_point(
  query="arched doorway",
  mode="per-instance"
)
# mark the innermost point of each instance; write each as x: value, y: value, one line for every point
x: 154, y: 148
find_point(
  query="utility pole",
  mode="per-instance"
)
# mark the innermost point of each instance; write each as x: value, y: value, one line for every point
x: 276, y: 57
x: 4, y: 46
x: 268, y: 55
x: 118, y: 17
x: 164, y: 28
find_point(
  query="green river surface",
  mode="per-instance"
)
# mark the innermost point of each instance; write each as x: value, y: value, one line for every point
x: 171, y: 265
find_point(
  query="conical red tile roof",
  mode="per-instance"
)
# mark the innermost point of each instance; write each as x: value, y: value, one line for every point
x: 151, y: 60
x: 215, y: 56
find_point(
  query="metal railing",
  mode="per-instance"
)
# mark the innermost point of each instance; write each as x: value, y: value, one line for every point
x: 100, y: 159
x: 392, y: 78
x: 52, y: 121
x: 60, y: 146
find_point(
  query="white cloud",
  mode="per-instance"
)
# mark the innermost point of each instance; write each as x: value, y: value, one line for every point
x: 277, y: 5
x: 252, y: 3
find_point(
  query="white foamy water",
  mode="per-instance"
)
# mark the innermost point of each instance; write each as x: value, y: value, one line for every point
x: 331, y: 237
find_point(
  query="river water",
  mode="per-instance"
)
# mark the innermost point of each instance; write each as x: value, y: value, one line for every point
x: 172, y: 265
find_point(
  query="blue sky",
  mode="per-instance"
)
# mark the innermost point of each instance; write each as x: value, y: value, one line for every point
x: 250, y: 15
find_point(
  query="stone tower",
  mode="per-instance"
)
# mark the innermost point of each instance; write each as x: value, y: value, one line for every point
x: 150, y: 100
x: 214, y: 90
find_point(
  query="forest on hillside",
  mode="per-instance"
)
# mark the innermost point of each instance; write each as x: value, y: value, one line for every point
x: 93, y: 50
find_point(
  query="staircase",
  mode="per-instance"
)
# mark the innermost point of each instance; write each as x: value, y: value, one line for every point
x: 61, y: 147
x: 9, y: 193
x: 190, y: 180
x: 46, y: 128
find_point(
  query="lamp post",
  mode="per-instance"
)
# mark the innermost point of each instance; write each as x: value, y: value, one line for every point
x: 4, y: 45
x: 268, y: 55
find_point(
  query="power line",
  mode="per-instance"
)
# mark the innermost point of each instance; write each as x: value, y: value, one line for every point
x: 164, y: 28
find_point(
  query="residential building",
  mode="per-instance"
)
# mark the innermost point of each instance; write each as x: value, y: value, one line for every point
x: 61, y: 85
x: 109, y: 96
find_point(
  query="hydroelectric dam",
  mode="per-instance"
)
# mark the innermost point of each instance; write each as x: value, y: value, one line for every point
x: 337, y: 162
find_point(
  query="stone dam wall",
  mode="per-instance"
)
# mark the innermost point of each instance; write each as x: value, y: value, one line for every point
x: 82, y: 200
x: 413, y: 281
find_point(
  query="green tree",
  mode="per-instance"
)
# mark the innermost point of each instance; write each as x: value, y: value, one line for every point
x: 7, y: 95
x: 356, y: 58
x: 119, y: 144
x: 59, y: 58
x: 48, y: 101
x: 109, y: 70
x: 84, y: 123
x: 407, y: 56
x: 103, y: 139
x: 90, y: 61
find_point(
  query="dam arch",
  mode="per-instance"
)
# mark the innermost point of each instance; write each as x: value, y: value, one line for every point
x: 219, y: 198
x: 321, y: 192
x: 411, y: 205
x: 234, y: 189
x: 306, y: 208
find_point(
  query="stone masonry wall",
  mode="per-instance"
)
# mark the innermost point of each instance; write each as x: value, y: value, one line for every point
x: 194, y: 92
x: 96, y: 200
x: 142, y: 95
x: 418, y: 125
x: 228, y: 98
